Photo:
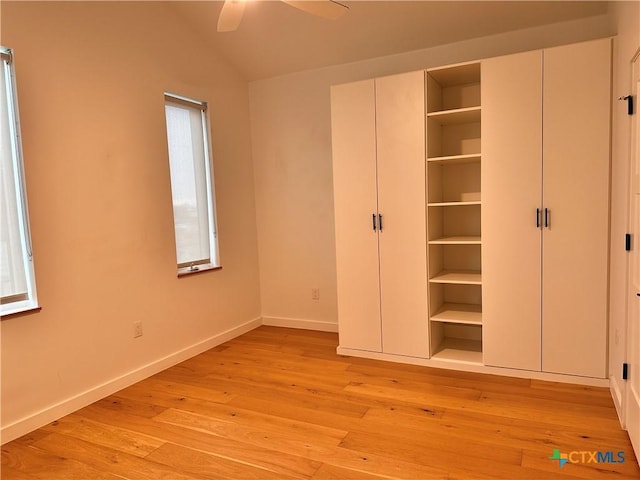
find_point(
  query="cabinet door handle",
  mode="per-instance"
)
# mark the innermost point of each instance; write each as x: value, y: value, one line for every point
x: 547, y: 218
x: 380, y: 221
x: 537, y: 218
x: 373, y: 221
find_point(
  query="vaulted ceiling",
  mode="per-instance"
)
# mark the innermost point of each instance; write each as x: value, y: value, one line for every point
x: 275, y: 39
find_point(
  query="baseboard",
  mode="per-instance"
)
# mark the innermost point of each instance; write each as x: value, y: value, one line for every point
x: 32, y: 422
x: 300, y: 323
x: 617, y: 394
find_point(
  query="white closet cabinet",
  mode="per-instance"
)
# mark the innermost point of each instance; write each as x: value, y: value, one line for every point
x: 576, y: 153
x: 353, y: 126
x: 378, y: 132
x: 512, y: 198
x: 545, y: 223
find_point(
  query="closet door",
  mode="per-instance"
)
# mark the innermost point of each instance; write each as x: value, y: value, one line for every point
x: 511, y: 194
x: 400, y: 127
x: 577, y: 98
x: 355, y: 201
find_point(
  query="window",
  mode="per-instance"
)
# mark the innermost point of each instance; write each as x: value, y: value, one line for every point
x: 191, y: 184
x: 17, y: 280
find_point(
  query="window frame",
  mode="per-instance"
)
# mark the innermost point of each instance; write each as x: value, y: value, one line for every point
x: 28, y: 301
x: 212, y: 262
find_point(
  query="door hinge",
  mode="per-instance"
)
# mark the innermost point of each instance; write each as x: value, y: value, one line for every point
x: 627, y: 242
x: 625, y: 371
x: 629, y: 99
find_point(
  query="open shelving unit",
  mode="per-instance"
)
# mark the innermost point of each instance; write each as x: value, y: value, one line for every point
x: 453, y: 212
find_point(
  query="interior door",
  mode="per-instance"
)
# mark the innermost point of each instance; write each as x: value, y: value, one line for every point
x: 400, y: 125
x: 355, y: 201
x: 576, y: 158
x: 632, y: 402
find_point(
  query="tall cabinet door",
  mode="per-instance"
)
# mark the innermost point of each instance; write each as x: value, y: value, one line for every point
x: 511, y: 199
x: 400, y: 128
x: 576, y: 123
x: 355, y: 201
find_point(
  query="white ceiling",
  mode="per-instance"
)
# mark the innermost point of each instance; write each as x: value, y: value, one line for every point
x: 275, y: 39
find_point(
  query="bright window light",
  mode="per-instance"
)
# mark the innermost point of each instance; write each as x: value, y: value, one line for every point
x: 17, y: 279
x: 191, y: 184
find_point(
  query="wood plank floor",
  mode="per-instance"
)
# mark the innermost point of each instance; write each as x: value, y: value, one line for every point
x: 279, y: 403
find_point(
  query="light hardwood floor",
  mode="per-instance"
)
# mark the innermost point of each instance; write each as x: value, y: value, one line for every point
x: 280, y: 404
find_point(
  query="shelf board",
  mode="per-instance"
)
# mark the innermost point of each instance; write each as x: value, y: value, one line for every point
x: 452, y: 204
x: 461, y: 74
x: 455, y: 159
x: 457, y: 116
x: 459, y: 350
x: 467, y: 240
x: 459, y: 277
x: 462, y: 313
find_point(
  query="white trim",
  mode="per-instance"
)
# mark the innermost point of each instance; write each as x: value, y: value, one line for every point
x: 39, y: 419
x: 300, y: 323
x: 476, y: 368
x: 617, y: 394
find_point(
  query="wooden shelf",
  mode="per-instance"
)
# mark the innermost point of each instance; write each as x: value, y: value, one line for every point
x: 461, y: 313
x: 475, y: 240
x: 459, y: 278
x: 459, y: 350
x: 453, y: 204
x: 455, y: 159
x: 457, y: 116
x: 460, y: 74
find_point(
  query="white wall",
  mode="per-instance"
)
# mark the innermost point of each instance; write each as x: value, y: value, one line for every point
x: 91, y: 81
x: 626, y: 16
x: 291, y: 141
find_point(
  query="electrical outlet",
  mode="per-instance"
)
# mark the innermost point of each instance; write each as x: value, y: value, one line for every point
x: 315, y: 294
x: 137, y: 329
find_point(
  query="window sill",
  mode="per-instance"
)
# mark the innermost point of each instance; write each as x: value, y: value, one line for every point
x: 19, y: 313
x: 185, y: 271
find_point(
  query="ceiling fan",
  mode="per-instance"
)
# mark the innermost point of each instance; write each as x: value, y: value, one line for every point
x: 232, y: 11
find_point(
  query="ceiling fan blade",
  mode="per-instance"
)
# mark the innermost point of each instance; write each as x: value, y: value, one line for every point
x: 230, y: 15
x: 322, y: 8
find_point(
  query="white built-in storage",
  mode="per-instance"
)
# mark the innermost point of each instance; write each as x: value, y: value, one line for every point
x: 454, y: 212
x: 472, y: 213
x: 379, y: 196
x: 355, y: 198
x: 512, y: 191
x: 545, y: 224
